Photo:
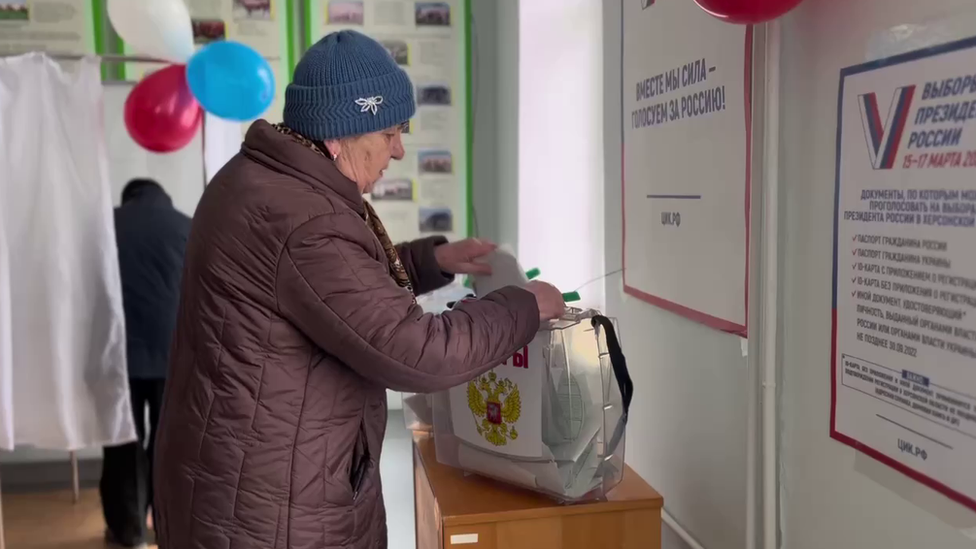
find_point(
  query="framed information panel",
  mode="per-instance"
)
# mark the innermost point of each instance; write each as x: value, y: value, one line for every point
x: 428, y: 192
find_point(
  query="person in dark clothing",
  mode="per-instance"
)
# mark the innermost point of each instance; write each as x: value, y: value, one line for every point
x: 151, y: 236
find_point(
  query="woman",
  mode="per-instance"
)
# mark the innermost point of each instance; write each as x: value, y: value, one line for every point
x: 298, y: 313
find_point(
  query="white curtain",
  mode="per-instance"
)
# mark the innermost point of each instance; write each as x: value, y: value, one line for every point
x: 62, y: 333
x: 6, y: 345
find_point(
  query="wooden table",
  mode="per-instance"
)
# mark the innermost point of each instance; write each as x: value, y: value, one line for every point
x: 468, y: 512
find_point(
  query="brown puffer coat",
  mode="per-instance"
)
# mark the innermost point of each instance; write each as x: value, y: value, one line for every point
x: 290, y: 330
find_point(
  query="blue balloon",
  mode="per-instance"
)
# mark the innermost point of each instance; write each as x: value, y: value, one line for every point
x: 231, y: 80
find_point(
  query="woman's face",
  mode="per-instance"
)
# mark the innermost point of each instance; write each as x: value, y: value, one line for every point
x: 364, y: 158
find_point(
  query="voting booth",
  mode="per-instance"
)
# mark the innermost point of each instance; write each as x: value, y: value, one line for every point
x: 551, y: 418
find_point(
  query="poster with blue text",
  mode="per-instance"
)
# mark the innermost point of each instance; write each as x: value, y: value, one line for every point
x: 904, y: 266
x: 686, y: 141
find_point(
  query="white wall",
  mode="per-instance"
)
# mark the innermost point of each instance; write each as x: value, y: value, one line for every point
x: 495, y: 47
x: 687, y: 433
x: 507, y: 115
x: 560, y: 162
x: 831, y: 496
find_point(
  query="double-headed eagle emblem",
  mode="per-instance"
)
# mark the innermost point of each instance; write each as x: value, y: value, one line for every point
x: 496, y: 406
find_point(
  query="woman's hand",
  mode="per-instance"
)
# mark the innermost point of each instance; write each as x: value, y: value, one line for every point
x: 551, y: 304
x: 459, y: 257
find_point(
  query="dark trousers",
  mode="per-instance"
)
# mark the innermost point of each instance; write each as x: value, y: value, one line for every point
x: 126, y: 485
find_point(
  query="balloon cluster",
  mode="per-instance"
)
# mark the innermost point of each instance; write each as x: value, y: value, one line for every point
x: 747, y: 11
x: 165, y: 109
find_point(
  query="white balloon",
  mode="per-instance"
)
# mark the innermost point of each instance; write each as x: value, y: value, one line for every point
x: 156, y: 28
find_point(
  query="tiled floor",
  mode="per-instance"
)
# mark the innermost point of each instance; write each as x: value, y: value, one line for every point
x: 51, y: 521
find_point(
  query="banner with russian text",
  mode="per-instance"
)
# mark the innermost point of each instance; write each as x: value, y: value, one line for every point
x: 686, y: 131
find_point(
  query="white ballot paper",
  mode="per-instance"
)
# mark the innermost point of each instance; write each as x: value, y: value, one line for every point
x: 505, y: 271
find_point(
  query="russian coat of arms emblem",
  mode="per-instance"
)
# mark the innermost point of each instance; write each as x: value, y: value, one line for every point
x: 496, y: 405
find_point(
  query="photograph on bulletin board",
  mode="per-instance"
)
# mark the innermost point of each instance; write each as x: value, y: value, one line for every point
x: 428, y: 192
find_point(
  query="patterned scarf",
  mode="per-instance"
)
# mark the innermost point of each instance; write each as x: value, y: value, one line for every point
x: 397, y: 270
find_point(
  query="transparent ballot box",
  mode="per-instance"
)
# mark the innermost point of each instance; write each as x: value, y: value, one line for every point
x: 552, y: 418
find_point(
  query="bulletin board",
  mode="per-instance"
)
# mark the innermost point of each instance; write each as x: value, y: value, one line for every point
x: 62, y: 26
x: 686, y: 124
x: 429, y: 191
x: 71, y: 27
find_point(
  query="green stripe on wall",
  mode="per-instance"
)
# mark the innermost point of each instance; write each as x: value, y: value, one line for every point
x: 292, y: 53
x: 469, y: 117
x: 98, y: 28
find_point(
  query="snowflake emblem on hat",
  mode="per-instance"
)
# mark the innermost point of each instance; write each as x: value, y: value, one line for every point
x: 370, y: 104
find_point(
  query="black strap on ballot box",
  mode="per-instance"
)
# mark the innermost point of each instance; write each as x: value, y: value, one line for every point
x: 619, y: 365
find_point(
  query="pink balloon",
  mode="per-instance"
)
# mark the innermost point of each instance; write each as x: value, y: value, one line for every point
x: 161, y: 113
x: 747, y: 11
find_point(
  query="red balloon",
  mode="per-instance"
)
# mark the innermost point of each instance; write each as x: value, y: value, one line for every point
x: 161, y: 113
x: 747, y: 11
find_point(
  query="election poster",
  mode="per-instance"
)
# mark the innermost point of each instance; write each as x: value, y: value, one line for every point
x: 904, y: 267
x: 686, y: 147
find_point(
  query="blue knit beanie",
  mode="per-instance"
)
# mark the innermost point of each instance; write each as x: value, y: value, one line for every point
x: 347, y: 84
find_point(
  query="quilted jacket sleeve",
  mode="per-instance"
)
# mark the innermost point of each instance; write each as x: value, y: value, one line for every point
x: 345, y: 301
x: 418, y: 258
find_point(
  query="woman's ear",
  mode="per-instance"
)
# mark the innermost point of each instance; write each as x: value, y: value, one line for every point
x: 333, y: 147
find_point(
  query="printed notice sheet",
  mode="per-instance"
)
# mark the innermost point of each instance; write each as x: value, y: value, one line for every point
x: 685, y: 123
x: 904, y: 350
